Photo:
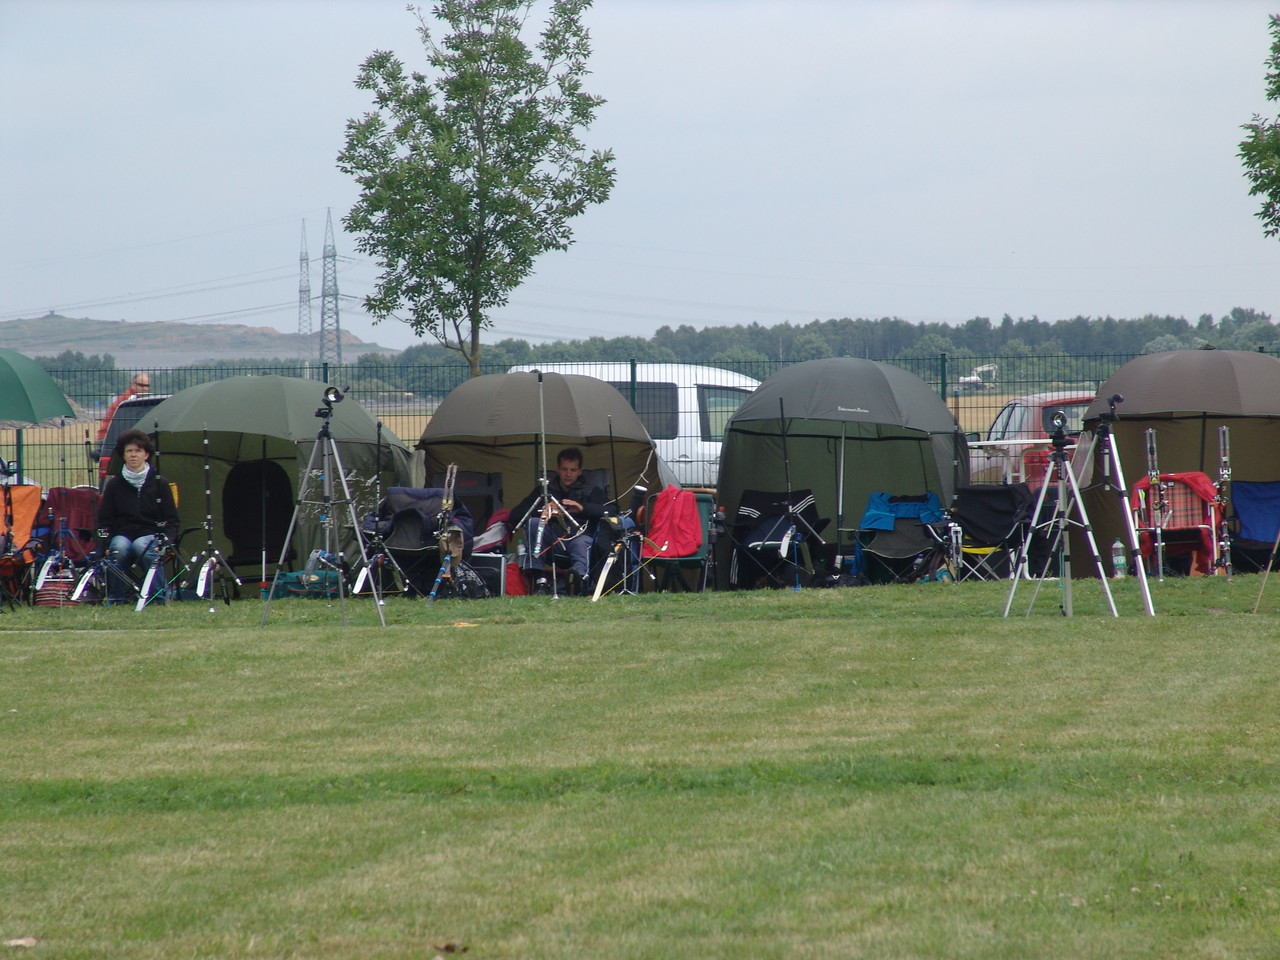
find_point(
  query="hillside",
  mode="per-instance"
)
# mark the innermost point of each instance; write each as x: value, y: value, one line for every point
x: 167, y: 344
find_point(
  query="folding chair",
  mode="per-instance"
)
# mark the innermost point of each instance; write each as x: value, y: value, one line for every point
x: 19, y: 510
x: 679, y: 538
x: 895, y: 543
x: 70, y: 516
x: 985, y: 527
x: 1179, y: 516
x: 1255, y: 523
x: 771, y: 533
x: 407, y: 524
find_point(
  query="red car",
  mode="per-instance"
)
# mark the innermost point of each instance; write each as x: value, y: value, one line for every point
x: 1016, y: 445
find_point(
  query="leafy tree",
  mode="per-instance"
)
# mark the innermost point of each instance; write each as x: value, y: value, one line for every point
x: 467, y: 176
x: 1260, y: 150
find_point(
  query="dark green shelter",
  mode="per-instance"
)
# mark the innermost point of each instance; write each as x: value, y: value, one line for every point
x: 256, y: 435
x: 844, y: 428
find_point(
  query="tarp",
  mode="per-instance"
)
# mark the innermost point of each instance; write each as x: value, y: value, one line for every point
x: 1184, y: 396
x: 496, y: 423
x: 852, y: 428
x: 261, y: 432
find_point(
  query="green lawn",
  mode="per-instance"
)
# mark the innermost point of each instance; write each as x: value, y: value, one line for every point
x: 889, y: 772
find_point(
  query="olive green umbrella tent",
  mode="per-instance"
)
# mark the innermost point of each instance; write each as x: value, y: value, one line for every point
x: 844, y: 428
x: 504, y: 423
x: 256, y: 434
x: 28, y: 394
x: 1184, y: 396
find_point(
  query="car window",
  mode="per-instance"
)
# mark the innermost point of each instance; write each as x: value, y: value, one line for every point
x: 1000, y: 425
x: 125, y: 418
x: 715, y: 406
x: 657, y: 405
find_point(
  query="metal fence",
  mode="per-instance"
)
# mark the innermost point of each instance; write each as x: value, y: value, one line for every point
x: 403, y: 397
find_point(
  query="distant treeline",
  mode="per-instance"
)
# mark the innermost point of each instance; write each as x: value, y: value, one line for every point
x: 429, y: 368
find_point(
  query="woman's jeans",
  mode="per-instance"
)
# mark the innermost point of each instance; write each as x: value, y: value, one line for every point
x: 127, y: 553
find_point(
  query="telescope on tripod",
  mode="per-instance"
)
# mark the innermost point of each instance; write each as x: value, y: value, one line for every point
x: 1069, y: 512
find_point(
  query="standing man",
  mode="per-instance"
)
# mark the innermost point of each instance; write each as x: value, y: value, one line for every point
x: 141, y: 383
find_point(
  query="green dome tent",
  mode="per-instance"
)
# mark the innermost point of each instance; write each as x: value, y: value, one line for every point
x: 495, y: 424
x: 260, y: 432
x: 1185, y: 396
x: 852, y: 427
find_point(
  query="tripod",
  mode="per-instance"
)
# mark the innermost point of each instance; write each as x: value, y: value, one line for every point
x: 546, y: 506
x: 326, y: 448
x: 378, y: 554
x: 1068, y: 496
x: 210, y: 559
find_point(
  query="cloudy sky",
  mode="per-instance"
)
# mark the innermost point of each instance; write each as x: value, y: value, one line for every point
x: 777, y: 162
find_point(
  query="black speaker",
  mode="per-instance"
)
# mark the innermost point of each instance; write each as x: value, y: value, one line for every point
x: 492, y: 568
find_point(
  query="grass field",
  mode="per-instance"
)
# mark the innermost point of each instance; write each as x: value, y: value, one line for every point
x: 891, y: 772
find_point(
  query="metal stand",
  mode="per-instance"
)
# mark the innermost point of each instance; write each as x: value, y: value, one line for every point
x: 1220, y: 497
x: 326, y: 449
x: 1159, y: 504
x: 546, y: 506
x: 376, y: 550
x: 210, y: 559
x: 1058, y: 471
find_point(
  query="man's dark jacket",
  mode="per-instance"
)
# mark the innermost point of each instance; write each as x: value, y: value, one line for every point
x: 592, y: 498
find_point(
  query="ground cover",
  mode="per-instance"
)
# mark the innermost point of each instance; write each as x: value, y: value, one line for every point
x: 882, y: 771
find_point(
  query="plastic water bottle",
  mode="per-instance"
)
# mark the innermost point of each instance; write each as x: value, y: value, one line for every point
x: 1119, y: 561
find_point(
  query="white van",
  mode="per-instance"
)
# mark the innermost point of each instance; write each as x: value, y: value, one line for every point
x: 684, y: 407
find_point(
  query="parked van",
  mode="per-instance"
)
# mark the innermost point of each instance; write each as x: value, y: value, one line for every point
x: 684, y: 407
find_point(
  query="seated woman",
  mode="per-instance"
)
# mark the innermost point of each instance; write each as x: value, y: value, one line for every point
x: 137, y: 518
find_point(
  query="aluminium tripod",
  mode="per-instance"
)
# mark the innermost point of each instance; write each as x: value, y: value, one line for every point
x: 326, y: 449
x: 545, y: 506
x: 379, y: 555
x: 1058, y: 472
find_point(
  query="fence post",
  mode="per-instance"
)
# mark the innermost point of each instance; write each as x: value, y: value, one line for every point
x: 633, y: 383
x: 942, y: 376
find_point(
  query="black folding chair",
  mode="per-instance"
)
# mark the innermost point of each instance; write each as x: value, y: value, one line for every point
x: 771, y: 534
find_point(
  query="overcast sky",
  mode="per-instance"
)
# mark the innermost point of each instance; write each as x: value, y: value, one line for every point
x: 777, y: 162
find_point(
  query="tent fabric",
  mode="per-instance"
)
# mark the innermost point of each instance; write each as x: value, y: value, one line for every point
x: 1257, y: 509
x: 242, y: 420
x: 514, y: 424
x: 1184, y: 396
x: 845, y: 428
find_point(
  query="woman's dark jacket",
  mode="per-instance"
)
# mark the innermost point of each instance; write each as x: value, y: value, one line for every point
x: 133, y: 513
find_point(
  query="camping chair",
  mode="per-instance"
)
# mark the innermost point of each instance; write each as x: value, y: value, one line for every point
x: 70, y: 516
x: 895, y: 543
x: 679, y: 537
x: 1180, y: 517
x: 481, y: 492
x: 1255, y: 523
x: 985, y: 527
x: 407, y: 523
x: 19, y: 511
x: 770, y: 535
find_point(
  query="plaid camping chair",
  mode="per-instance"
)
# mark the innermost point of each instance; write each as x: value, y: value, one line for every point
x: 1178, y: 516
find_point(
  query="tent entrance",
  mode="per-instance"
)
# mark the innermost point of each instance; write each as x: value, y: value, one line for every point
x: 257, y: 505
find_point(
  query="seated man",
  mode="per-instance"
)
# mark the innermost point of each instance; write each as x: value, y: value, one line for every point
x: 568, y: 496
